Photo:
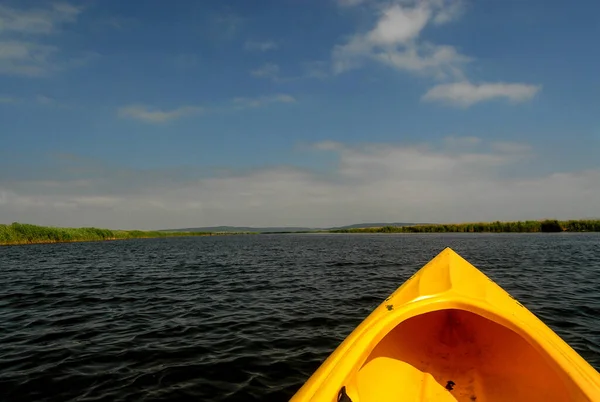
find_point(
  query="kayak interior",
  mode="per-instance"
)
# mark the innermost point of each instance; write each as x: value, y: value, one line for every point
x: 473, y: 357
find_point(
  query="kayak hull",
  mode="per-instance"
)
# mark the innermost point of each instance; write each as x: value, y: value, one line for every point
x: 451, y: 334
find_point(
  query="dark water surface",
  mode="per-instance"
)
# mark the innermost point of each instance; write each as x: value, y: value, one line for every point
x: 244, y: 318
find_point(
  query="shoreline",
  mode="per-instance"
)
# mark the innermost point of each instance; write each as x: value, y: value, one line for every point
x: 45, y: 241
x: 18, y: 234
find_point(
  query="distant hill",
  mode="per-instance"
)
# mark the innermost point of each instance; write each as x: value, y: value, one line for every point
x: 373, y: 225
x: 280, y: 229
x: 239, y: 229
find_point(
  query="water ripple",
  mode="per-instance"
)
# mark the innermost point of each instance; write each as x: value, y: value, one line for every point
x: 244, y: 318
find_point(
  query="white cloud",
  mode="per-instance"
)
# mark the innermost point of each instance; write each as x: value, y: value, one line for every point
x: 449, y: 11
x: 26, y: 58
x: 439, y: 61
x: 350, y: 3
x: 37, y: 20
x: 150, y: 115
x: 243, y: 102
x: 24, y: 40
x: 96, y: 201
x: 371, y: 182
x: 315, y: 69
x: 260, y: 46
x: 510, y: 147
x: 466, y: 94
x: 394, y: 41
x: 398, y: 25
x: 268, y: 70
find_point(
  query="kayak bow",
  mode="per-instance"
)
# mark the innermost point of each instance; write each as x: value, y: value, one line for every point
x: 450, y: 333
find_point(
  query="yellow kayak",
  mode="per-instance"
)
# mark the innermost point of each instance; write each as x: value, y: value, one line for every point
x: 450, y: 333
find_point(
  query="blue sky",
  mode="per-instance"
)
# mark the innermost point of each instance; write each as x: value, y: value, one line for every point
x: 296, y: 112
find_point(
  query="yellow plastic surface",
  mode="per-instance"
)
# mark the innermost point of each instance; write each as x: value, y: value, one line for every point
x: 450, y: 333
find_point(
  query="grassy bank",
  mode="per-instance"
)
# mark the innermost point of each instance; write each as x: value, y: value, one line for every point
x: 492, y: 227
x: 19, y: 233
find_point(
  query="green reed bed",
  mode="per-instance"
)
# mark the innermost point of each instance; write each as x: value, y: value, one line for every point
x: 21, y: 233
x: 550, y: 225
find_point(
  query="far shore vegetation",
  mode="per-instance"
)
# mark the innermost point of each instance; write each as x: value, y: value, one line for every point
x: 22, y: 233
x: 545, y: 226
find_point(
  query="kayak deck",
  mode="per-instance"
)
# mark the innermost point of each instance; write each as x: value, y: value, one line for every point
x: 449, y: 333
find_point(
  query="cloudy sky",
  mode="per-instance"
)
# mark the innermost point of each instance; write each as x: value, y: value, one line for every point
x: 298, y: 112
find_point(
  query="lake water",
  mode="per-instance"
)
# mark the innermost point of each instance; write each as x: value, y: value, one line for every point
x: 245, y: 318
